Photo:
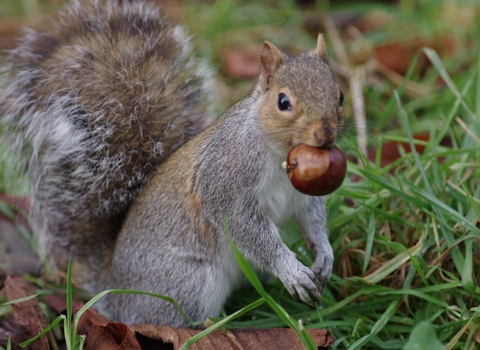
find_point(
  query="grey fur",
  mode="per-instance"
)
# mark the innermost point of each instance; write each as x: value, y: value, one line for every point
x: 171, y: 240
x: 94, y: 108
x: 232, y: 170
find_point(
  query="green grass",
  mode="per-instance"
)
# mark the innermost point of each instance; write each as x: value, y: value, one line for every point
x: 406, y: 252
x: 406, y: 236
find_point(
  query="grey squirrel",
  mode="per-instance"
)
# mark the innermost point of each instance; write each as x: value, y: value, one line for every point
x: 132, y: 173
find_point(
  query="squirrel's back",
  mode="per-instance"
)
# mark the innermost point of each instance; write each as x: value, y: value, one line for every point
x: 94, y: 107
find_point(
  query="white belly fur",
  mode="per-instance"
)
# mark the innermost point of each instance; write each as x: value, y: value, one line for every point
x: 276, y: 194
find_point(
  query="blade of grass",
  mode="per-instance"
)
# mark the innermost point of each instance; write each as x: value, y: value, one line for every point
x: 413, y: 260
x: 437, y: 63
x: 378, y: 326
x: 81, y: 341
x: 21, y: 300
x: 455, y: 215
x: 6, y: 210
x: 392, y: 216
x: 45, y: 331
x: 419, y: 294
x: 453, y: 111
x: 451, y: 344
x: 222, y: 322
x: 100, y: 295
x: 468, y: 343
x: 474, y: 202
x: 456, y: 254
x: 344, y: 302
x: 391, y: 265
x: 467, y: 272
x: 280, y: 311
x: 368, y: 245
x: 70, y: 338
x: 393, y: 189
x: 374, y: 200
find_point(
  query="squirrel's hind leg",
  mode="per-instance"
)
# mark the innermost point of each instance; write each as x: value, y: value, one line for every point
x: 201, y: 288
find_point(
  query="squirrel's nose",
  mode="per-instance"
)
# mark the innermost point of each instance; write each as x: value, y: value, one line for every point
x: 325, y: 135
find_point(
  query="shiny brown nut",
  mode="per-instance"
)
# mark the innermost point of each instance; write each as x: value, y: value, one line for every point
x: 316, y: 171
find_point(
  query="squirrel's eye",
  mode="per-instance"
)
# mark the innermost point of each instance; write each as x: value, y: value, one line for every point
x: 283, y: 102
x: 341, y: 98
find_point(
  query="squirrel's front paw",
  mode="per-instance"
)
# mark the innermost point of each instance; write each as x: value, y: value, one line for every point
x: 300, y: 280
x: 322, y: 267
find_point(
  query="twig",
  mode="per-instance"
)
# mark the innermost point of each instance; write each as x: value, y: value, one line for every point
x: 355, y: 82
x: 467, y: 129
x: 334, y: 36
x: 356, y: 90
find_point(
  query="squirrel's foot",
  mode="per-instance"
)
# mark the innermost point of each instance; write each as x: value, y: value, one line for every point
x: 299, y: 280
x: 322, y: 266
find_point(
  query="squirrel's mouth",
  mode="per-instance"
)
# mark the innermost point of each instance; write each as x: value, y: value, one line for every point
x: 315, y: 143
x: 322, y: 135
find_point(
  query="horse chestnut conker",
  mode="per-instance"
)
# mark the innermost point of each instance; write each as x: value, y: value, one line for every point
x: 316, y: 171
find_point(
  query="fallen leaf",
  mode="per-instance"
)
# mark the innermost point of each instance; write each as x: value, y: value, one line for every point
x: 390, y: 149
x: 12, y: 330
x: 27, y: 319
x: 376, y: 19
x: 111, y: 336
x: 248, y: 339
x: 240, y: 62
x: 104, y: 335
x: 59, y: 304
x: 395, y: 56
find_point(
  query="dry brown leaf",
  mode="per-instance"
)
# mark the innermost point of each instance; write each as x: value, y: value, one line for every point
x: 104, y: 335
x: 111, y: 336
x: 27, y: 318
x: 59, y: 304
x: 249, y: 339
x: 12, y: 330
x: 241, y: 62
x: 390, y: 151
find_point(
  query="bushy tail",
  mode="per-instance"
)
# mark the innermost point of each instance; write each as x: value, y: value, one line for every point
x: 93, y: 108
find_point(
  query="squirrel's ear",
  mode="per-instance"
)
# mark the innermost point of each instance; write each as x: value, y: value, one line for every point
x: 270, y: 59
x: 321, y: 49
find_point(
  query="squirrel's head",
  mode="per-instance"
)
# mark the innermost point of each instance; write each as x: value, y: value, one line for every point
x: 301, y: 102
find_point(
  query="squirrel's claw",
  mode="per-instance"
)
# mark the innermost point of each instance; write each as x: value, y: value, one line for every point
x: 322, y: 266
x: 301, y: 281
